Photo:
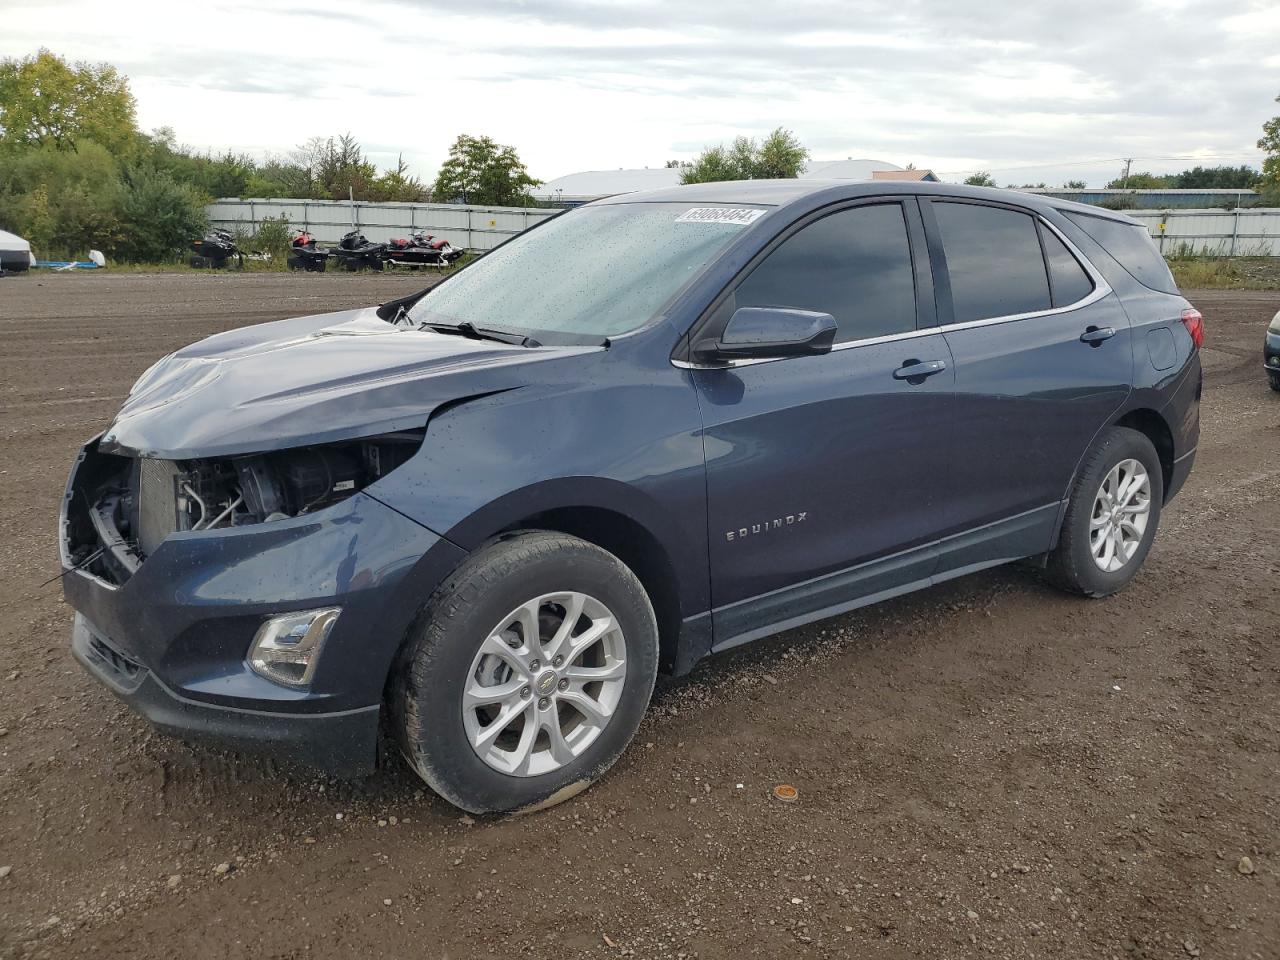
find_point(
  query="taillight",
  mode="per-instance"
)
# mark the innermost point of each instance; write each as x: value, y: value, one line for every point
x: 1194, y: 322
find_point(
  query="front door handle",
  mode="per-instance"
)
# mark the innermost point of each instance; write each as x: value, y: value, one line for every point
x: 915, y: 371
x: 1094, y: 336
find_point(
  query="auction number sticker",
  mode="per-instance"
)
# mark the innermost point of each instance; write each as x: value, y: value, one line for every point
x: 736, y: 216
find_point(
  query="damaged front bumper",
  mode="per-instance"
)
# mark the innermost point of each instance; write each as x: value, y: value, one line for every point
x: 170, y: 636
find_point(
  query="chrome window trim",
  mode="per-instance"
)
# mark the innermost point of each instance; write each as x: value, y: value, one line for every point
x: 1101, y: 290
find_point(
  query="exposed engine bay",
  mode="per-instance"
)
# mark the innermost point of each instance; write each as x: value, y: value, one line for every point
x: 135, y: 503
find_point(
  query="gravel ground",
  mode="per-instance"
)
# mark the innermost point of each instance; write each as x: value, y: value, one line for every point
x: 987, y: 768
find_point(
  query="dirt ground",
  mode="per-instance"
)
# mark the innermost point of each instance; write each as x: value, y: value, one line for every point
x: 985, y: 768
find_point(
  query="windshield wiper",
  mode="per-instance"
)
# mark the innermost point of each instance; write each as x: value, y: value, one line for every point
x: 465, y: 328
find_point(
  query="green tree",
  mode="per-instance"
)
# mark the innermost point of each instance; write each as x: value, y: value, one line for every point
x: 1139, y: 181
x: 1242, y: 177
x: 980, y: 179
x: 481, y: 171
x: 780, y: 156
x: 1270, y: 144
x: 160, y: 216
x: 397, y: 186
x: 1075, y: 185
x: 63, y: 202
x: 44, y: 101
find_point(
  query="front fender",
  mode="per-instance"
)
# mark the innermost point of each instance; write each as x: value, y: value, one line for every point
x: 634, y: 449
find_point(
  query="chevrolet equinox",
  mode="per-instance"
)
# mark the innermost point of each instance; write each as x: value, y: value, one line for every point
x: 651, y: 428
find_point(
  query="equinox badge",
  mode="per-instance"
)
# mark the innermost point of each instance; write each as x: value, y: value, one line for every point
x: 777, y: 523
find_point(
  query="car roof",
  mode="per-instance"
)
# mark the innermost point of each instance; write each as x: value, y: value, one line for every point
x: 808, y: 192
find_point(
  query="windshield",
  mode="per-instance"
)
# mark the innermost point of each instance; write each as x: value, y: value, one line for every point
x: 593, y: 272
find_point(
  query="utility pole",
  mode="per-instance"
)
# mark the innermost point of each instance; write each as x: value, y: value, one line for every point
x: 1127, y: 164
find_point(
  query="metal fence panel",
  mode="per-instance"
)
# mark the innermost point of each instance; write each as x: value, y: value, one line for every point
x: 1240, y: 232
x: 475, y: 228
x: 1251, y: 232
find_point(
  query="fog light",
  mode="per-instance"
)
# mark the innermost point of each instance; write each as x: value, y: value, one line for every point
x: 1275, y: 361
x: 287, y: 648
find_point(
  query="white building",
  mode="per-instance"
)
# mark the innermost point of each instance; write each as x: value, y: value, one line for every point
x: 594, y: 184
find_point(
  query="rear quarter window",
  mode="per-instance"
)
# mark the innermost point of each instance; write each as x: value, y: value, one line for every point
x: 1131, y: 246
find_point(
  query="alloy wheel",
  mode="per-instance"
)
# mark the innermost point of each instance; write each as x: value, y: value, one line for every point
x: 544, y: 684
x: 1121, y: 511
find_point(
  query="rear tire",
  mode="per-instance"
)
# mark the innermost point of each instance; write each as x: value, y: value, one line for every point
x: 505, y: 754
x: 1112, y: 516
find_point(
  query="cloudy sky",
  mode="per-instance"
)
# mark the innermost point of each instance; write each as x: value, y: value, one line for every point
x: 1031, y: 91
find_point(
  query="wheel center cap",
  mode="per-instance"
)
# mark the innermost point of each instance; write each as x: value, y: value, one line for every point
x: 545, y: 684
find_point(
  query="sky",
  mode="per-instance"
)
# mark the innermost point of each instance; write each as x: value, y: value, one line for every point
x: 1029, y: 91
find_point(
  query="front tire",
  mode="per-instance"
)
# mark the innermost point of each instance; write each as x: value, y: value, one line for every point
x: 526, y: 674
x: 1112, y: 516
x: 1274, y: 380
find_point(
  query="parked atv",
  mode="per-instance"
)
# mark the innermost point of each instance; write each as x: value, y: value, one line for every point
x: 215, y: 249
x: 304, y: 254
x: 356, y: 252
x: 422, y: 250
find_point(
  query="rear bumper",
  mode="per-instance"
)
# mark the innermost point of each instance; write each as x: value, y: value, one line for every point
x: 343, y: 743
x: 1178, y: 477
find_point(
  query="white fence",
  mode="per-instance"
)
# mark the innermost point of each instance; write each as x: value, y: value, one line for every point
x: 1253, y: 232
x: 1240, y: 232
x: 475, y: 228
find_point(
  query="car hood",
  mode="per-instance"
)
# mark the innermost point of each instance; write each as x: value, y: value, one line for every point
x: 309, y: 380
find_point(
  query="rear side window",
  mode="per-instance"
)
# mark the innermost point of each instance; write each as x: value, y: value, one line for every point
x: 854, y: 265
x: 1131, y: 246
x: 993, y: 261
x: 1069, y: 281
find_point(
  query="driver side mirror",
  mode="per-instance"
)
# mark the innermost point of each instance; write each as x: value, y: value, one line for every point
x: 768, y: 333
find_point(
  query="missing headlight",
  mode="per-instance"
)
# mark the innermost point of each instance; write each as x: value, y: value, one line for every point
x: 171, y: 496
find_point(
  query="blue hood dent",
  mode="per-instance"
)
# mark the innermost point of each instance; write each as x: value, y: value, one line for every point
x: 309, y: 380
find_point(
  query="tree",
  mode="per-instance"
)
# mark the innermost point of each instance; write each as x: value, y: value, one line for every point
x: 1270, y: 144
x: 1075, y: 185
x: 46, y: 102
x: 161, y: 216
x: 397, y: 186
x: 781, y: 156
x: 63, y: 202
x: 1139, y: 181
x: 483, y: 172
x: 1242, y: 177
x: 980, y: 179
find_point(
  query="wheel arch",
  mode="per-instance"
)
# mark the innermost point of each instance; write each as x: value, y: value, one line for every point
x: 669, y: 560
x: 633, y: 544
x: 1151, y: 424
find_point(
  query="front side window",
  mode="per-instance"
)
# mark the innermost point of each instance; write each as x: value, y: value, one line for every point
x: 590, y: 273
x: 993, y: 261
x: 854, y: 265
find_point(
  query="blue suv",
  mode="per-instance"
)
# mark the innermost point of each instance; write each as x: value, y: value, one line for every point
x: 661, y: 425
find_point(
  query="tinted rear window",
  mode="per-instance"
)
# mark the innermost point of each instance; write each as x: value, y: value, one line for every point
x: 1131, y: 246
x: 1070, y: 282
x: 993, y: 260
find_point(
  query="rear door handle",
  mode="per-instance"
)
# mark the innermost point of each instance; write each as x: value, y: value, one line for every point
x: 919, y: 369
x: 1095, y: 335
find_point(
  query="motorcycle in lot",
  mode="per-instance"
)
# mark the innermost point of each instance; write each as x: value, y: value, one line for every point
x: 422, y: 250
x: 305, y: 254
x: 215, y: 249
x: 356, y: 252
